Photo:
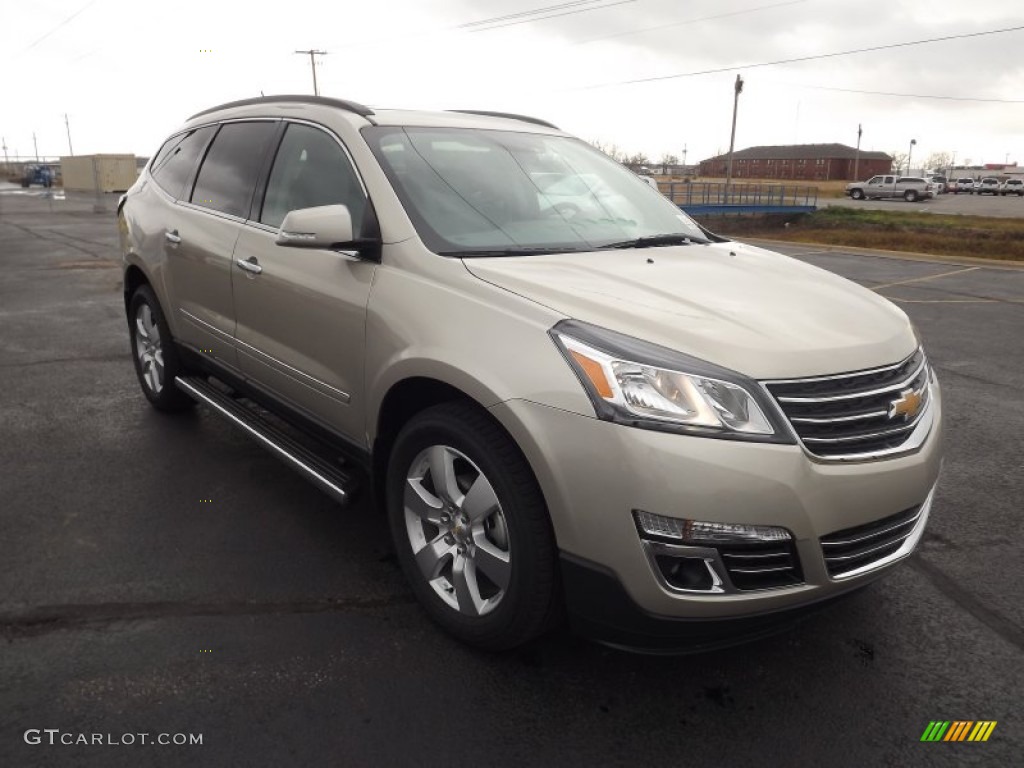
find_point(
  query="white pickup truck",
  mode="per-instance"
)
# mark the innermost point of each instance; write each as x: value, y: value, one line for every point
x: 910, y: 188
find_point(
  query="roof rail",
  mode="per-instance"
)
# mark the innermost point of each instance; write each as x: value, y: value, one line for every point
x: 348, y: 106
x: 508, y: 115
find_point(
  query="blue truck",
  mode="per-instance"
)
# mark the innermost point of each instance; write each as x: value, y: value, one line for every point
x: 37, y: 174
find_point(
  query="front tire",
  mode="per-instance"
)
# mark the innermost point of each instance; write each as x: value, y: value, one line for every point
x: 857, y: 194
x: 471, y: 529
x: 156, y: 358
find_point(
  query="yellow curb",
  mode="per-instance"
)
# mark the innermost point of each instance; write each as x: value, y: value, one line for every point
x: 907, y: 255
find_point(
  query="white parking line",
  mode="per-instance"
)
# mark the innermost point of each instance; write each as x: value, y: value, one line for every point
x: 923, y: 279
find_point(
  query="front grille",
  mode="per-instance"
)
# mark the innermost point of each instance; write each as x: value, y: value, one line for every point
x: 761, y: 565
x: 848, y: 415
x: 853, y: 548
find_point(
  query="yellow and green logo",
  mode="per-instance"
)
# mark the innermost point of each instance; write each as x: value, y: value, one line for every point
x: 958, y: 730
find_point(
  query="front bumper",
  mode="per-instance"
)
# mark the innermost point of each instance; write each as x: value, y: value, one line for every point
x: 594, y: 474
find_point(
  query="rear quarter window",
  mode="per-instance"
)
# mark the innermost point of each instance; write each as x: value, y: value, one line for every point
x: 174, y: 163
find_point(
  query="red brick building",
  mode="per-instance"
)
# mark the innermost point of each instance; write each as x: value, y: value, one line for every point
x: 811, y: 162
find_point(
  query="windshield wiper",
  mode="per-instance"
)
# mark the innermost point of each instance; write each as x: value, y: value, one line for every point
x: 484, y: 252
x: 654, y: 241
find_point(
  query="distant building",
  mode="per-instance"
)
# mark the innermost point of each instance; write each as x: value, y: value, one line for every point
x: 810, y: 162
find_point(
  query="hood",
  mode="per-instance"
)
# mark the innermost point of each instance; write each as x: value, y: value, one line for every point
x: 755, y: 311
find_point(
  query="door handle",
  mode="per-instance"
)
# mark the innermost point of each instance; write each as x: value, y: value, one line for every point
x: 250, y: 265
x: 172, y: 237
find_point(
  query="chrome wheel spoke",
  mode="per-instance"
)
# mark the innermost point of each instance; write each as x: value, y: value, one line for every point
x: 493, y: 562
x: 421, y: 503
x: 140, y: 328
x: 480, y: 500
x: 432, y: 556
x: 442, y: 472
x: 467, y: 593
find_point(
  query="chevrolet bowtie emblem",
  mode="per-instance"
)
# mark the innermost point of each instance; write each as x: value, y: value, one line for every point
x: 907, y: 405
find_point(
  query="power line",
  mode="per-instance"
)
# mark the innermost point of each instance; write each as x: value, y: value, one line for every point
x: 798, y: 59
x: 553, y: 15
x: 520, y: 14
x: 690, y: 21
x: 68, y: 20
x: 913, y: 95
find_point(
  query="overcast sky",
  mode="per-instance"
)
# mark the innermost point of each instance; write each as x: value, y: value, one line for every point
x: 127, y: 73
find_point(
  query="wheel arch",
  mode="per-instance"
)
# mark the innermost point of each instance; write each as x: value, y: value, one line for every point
x: 403, y: 400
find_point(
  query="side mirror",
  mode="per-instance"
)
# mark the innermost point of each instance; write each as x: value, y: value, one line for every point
x: 326, y: 226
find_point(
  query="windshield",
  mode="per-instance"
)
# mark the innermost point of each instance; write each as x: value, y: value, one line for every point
x: 480, y: 192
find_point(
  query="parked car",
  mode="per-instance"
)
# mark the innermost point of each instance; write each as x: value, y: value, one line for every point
x: 965, y: 184
x: 910, y: 188
x: 988, y: 186
x: 1012, y: 187
x: 37, y: 174
x: 510, y: 380
x: 941, y: 184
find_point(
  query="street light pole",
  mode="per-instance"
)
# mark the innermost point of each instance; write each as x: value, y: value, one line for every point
x: 909, y: 153
x: 68, y: 126
x: 738, y: 89
x: 856, y: 157
x: 35, y: 145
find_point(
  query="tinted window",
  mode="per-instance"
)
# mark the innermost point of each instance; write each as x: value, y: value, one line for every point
x: 311, y: 169
x: 173, y: 165
x: 228, y: 175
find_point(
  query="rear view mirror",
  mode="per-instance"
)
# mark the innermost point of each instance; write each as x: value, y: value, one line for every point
x: 326, y: 226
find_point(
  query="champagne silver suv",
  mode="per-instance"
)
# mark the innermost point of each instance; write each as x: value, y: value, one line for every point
x: 568, y: 397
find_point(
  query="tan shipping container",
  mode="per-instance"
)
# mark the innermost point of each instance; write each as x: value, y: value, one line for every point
x: 115, y: 173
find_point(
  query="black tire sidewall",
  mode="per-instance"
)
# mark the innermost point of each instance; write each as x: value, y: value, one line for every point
x: 516, y: 619
x: 170, y: 398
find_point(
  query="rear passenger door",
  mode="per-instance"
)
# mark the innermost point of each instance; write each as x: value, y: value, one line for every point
x: 302, y: 316
x: 199, y: 247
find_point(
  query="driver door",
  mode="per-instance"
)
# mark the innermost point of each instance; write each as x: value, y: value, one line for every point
x: 301, y: 313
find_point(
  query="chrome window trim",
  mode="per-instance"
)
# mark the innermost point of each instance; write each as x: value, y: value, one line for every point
x: 256, y: 223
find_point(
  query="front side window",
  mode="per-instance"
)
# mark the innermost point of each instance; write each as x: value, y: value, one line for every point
x: 228, y: 175
x: 311, y: 169
x: 477, y: 192
x: 176, y: 160
x: 875, y: 180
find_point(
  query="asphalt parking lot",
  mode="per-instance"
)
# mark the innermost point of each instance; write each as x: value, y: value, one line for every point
x: 278, y: 626
x: 968, y: 205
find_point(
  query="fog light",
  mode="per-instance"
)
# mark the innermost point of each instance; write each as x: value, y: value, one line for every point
x: 697, y: 532
x: 695, y: 574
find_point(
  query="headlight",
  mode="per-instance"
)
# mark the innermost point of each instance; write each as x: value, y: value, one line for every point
x: 640, y: 384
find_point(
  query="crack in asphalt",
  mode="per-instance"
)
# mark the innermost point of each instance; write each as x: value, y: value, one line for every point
x: 65, y: 241
x: 1007, y: 629
x: 111, y: 358
x: 53, y: 618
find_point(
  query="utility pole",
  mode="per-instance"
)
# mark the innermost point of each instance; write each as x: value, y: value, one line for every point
x: 3, y: 140
x: 909, y: 153
x: 68, y: 126
x: 856, y: 157
x: 738, y: 89
x: 312, y: 65
x: 34, y: 144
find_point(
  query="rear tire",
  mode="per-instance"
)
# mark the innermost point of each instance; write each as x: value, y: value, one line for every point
x: 484, y: 517
x: 156, y: 358
x: 910, y: 196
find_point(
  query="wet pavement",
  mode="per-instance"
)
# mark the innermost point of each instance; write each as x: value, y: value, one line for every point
x: 277, y: 625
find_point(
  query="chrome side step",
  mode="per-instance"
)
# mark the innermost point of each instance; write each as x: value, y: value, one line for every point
x: 329, y: 478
